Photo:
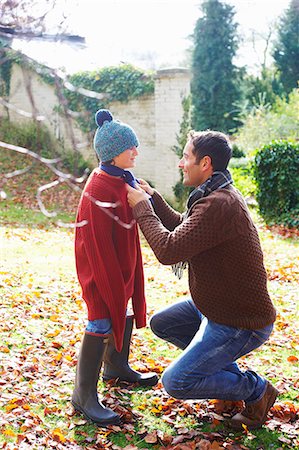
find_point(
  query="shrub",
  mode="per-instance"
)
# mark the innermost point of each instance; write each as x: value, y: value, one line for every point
x: 276, y: 173
x: 37, y: 138
x: 266, y: 123
x: 241, y: 170
x: 237, y: 151
x: 29, y: 135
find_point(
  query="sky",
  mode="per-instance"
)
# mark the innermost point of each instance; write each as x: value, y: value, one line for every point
x: 148, y: 33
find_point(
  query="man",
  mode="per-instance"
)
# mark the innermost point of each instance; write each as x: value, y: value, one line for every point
x: 230, y: 313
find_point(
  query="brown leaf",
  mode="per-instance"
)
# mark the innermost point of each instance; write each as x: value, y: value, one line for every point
x: 204, y: 445
x: 151, y: 438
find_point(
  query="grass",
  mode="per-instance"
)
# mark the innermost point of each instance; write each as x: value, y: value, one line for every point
x: 43, y: 318
x: 16, y: 214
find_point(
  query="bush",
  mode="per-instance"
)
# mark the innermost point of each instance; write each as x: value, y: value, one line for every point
x: 29, y: 135
x: 37, y: 138
x: 237, y: 152
x: 241, y: 170
x: 266, y: 123
x: 276, y: 173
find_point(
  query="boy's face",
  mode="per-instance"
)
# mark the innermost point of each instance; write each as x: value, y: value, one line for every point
x: 126, y: 159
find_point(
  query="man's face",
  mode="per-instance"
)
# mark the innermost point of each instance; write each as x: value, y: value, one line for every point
x: 194, y: 173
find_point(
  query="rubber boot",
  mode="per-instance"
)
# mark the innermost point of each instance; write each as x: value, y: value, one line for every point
x: 116, y: 364
x: 85, y: 396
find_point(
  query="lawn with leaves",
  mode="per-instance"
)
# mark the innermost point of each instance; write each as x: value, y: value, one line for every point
x: 43, y: 319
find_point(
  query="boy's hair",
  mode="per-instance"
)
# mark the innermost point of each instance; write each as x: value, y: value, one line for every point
x: 214, y: 144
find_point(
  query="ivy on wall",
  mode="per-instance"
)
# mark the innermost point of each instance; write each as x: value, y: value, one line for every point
x: 5, y: 70
x: 118, y: 83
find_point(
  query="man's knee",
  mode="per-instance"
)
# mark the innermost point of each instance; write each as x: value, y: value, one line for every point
x: 172, y: 387
x: 156, y: 326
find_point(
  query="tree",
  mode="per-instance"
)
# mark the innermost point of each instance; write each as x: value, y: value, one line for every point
x: 261, y: 89
x: 215, y: 79
x: 286, y: 50
x: 27, y: 16
x: 182, y: 192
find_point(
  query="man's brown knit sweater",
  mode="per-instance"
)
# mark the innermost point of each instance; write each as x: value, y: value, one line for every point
x: 227, y: 278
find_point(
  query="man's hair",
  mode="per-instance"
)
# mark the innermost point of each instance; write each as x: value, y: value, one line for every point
x: 214, y: 144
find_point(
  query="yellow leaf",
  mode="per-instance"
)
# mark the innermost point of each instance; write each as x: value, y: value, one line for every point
x: 10, y: 407
x: 36, y: 316
x: 155, y: 410
x: 4, y: 349
x: 9, y: 433
x: 26, y: 407
x: 58, y: 356
x: 245, y: 428
x: 54, y: 317
x: 54, y: 334
x: 58, y: 436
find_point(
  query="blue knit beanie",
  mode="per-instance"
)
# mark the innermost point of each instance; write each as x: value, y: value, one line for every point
x: 112, y: 137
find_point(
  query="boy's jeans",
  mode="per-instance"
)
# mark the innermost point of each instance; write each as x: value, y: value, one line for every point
x: 206, y: 368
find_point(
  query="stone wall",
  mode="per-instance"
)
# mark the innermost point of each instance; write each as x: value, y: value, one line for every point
x: 155, y: 118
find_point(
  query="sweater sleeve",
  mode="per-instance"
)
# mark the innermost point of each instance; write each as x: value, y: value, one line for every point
x: 208, y: 225
x: 168, y: 216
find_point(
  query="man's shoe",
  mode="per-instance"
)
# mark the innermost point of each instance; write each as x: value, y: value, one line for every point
x: 255, y: 414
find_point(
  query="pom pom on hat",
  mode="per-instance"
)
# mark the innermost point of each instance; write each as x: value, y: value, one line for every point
x: 112, y: 136
x: 101, y: 115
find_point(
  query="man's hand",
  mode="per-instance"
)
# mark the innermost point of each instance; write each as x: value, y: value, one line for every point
x: 135, y: 195
x: 145, y: 186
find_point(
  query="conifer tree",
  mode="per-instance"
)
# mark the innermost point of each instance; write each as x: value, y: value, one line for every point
x: 286, y: 51
x: 215, y: 86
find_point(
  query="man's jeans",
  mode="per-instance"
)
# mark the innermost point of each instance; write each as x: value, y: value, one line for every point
x: 206, y: 368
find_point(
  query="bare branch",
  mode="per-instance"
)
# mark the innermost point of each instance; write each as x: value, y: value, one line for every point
x: 85, y: 92
x: 34, y: 155
x: 16, y: 173
x: 27, y: 16
x: 21, y: 112
x: 39, y: 200
x: 62, y: 178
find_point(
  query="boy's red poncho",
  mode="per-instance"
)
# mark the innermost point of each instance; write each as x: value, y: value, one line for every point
x: 108, y: 256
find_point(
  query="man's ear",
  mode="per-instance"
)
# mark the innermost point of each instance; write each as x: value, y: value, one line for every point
x: 207, y: 162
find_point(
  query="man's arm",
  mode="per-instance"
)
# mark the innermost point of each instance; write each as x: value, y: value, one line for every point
x: 169, y: 217
x: 202, y: 230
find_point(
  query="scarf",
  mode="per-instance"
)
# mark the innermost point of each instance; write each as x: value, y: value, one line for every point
x: 219, y: 180
x: 125, y: 174
x: 118, y: 172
